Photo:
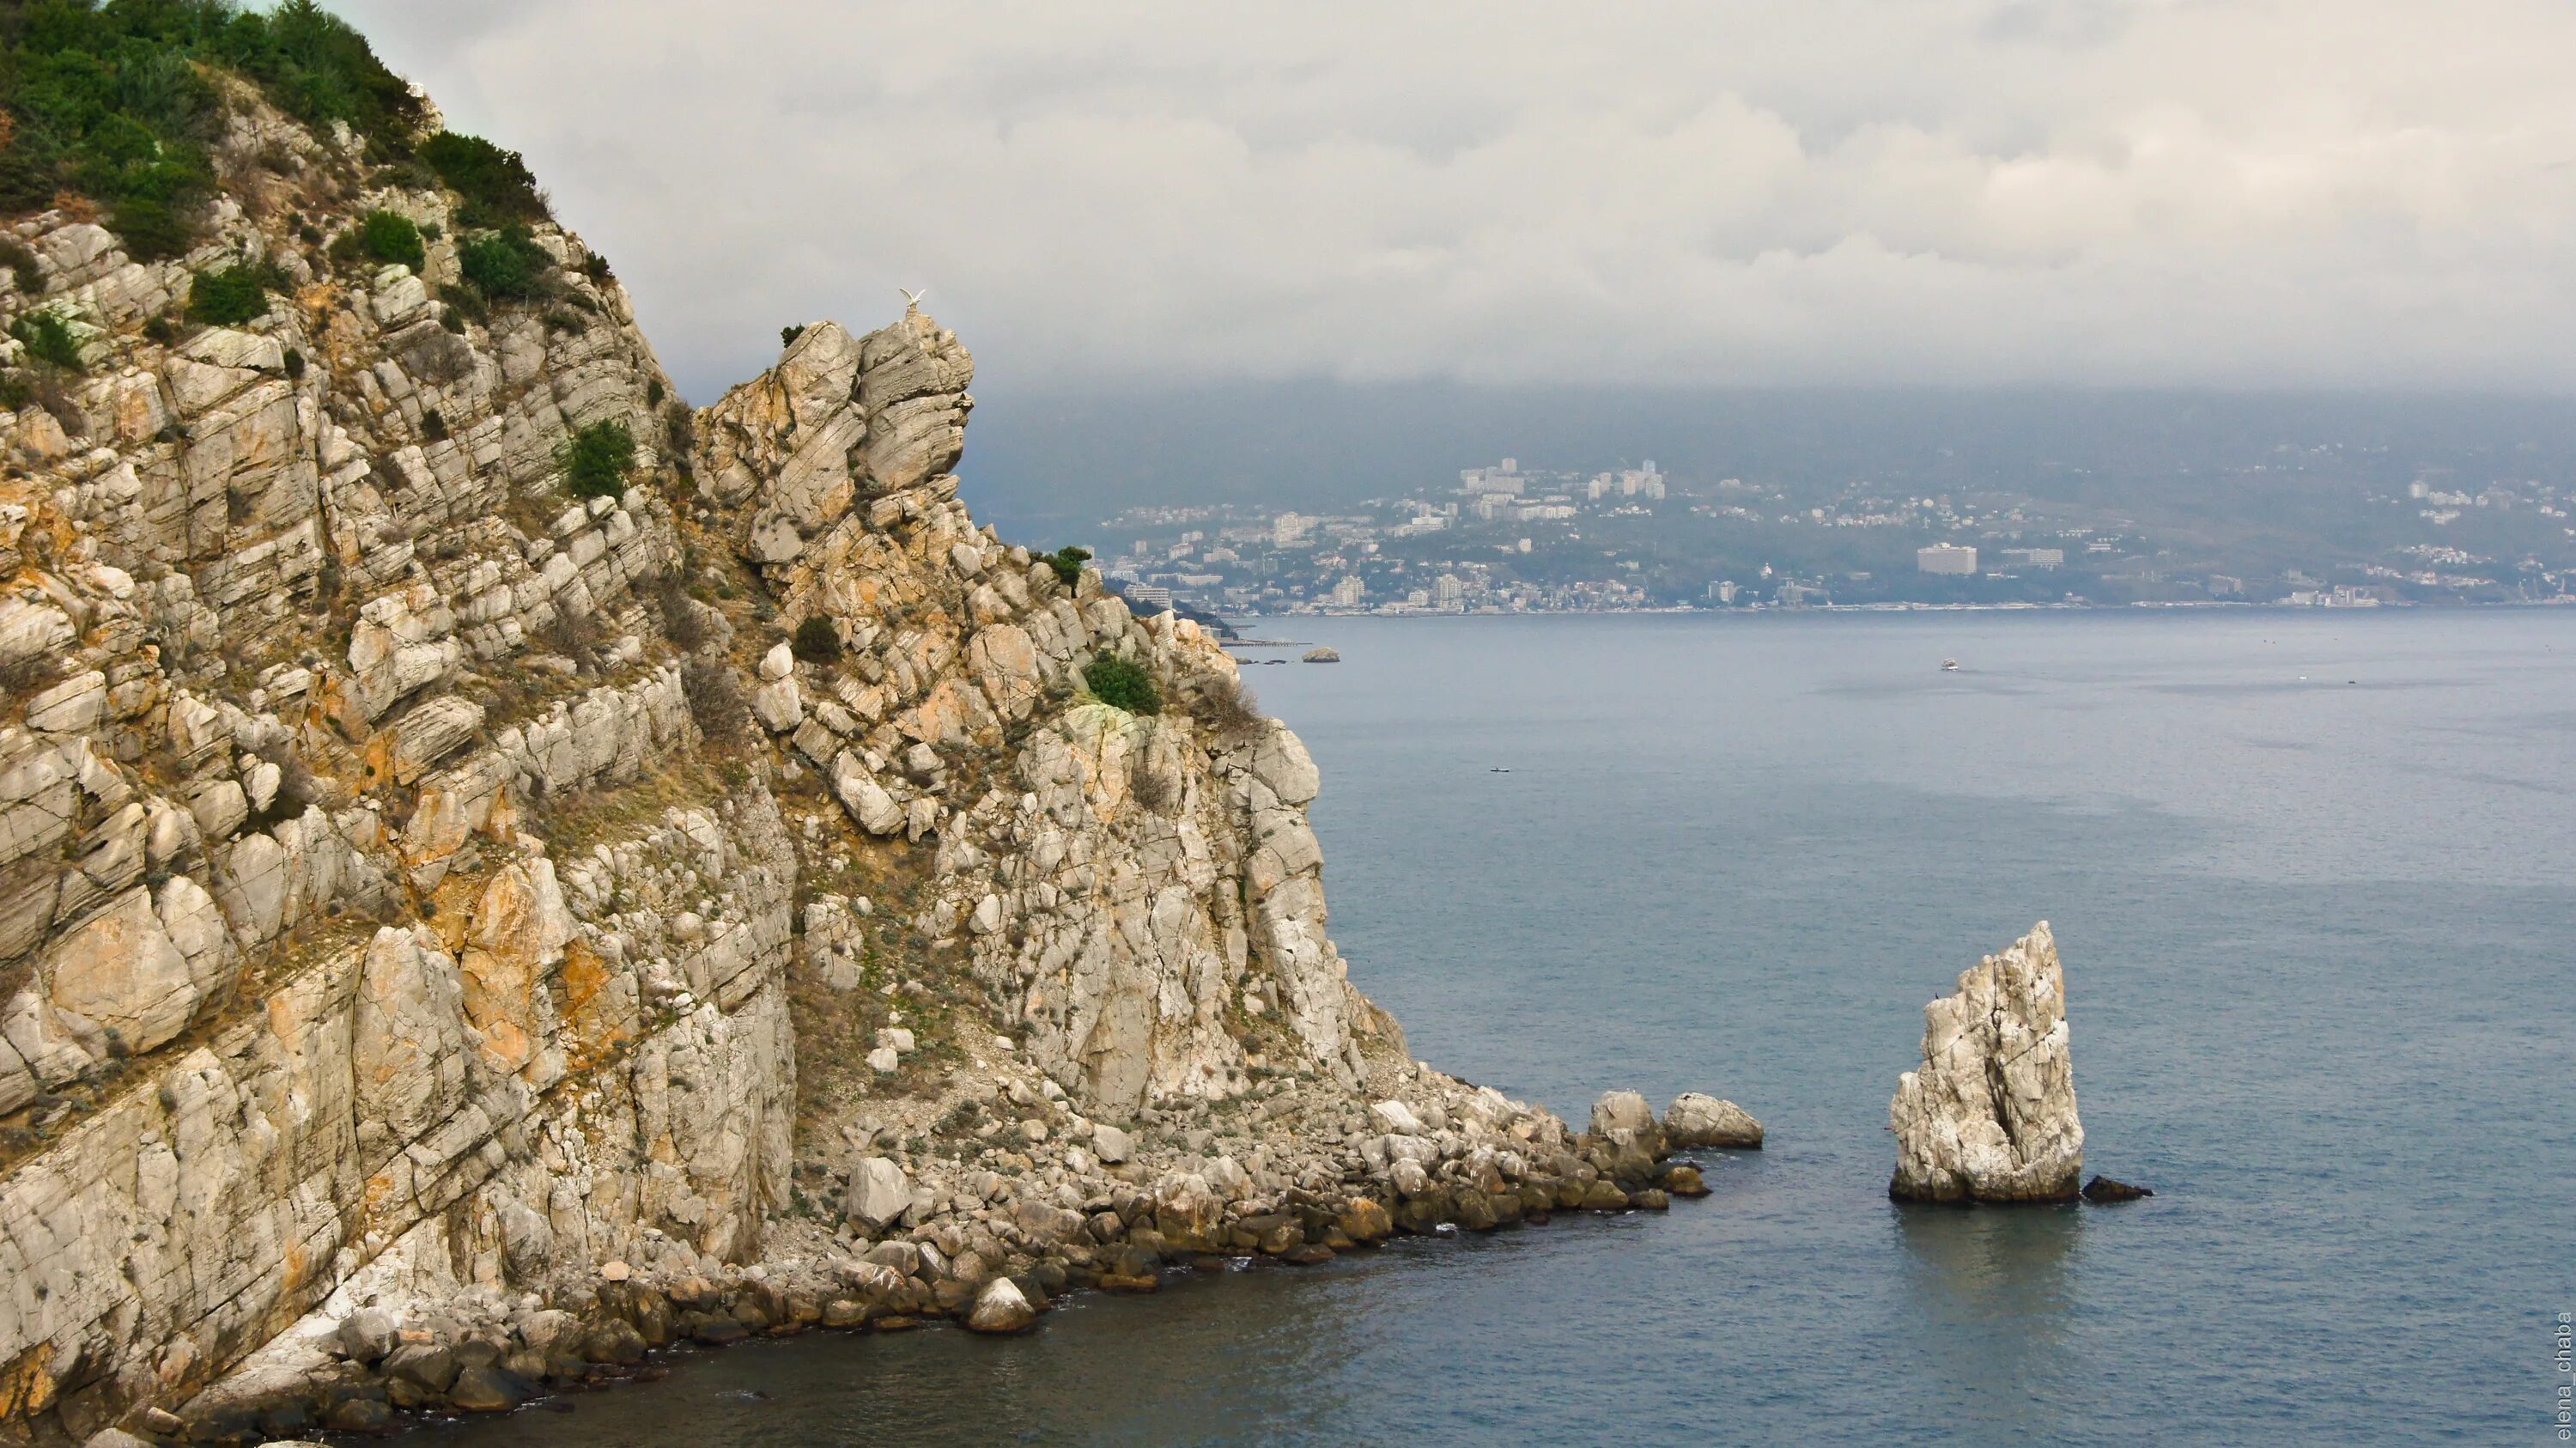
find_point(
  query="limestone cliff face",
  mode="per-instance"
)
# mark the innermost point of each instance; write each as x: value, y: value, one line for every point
x: 417, y: 880
x: 315, y: 676
x: 1138, y: 890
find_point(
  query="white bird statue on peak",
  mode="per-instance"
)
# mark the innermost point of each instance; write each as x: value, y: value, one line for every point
x: 912, y: 299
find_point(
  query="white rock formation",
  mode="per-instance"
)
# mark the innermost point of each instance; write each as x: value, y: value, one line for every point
x: 1990, y: 1115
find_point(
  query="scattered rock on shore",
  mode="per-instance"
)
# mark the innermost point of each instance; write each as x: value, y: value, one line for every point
x: 1324, y: 656
x: 1001, y: 1308
x: 879, y: 1192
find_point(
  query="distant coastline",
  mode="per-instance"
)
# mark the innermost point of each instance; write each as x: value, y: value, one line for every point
x: 1769, y: 610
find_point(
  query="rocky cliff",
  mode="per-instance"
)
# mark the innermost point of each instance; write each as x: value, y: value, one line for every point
x: 466, y: 920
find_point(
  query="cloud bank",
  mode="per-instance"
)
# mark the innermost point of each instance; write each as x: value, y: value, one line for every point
x: 2231, y: 193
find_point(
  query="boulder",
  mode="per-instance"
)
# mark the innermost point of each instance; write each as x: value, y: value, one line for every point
x: 717, y: 1329
x: 866, y: 800
x: 1325, y: 655
x: 1628, y: 1111
x: 778, y: 706
x: 489, y: 1389
x: 426, y: 1365
x: 1001, y: 1308
x: 879, y: 1193
x: 370, y: 1416
x: 1364, y: 1219
x: 1397, y: 1118
x: 901, y: 1258
x: 1111, y: 1144
x: 2103, y: 1189
x: 1694, y: 1120
x: 367, y: 1334
x: 613, y: 1341
x: 1990, y: 1115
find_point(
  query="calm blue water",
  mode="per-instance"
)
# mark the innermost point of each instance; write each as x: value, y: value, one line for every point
x: 2311, y: 876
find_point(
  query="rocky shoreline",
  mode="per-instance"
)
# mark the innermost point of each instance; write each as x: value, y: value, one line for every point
x: 1442, y: 1157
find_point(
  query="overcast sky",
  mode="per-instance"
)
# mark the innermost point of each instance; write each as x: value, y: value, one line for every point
x: 2264, y: 193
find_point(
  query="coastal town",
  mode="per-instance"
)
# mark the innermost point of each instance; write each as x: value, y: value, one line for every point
x: 1504, y: 537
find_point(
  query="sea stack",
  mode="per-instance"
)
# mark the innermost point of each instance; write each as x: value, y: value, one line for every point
x: 1990, y: 1115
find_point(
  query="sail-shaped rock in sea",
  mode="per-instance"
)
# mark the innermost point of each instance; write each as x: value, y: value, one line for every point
x: 1990, y: 1115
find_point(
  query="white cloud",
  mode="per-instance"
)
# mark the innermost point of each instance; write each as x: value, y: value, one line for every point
x: 2228, y: 192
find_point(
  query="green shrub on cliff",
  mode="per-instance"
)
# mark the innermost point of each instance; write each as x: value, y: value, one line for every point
x: 107, y: 102
x: 22, y: 266
x: 389, y: 236
x: 1067, y: 562
x: 497, y: 186
x: 815, y: 640
x: 1122, y: 683
x: 597, y: 460
x: 505, y: 265
x: 232, y: 295
x: 48, y: 339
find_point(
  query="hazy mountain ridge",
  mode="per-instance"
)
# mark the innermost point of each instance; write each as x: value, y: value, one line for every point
x: 2197, y: 497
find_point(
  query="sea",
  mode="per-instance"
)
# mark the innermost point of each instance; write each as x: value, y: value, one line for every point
x: 2313, y: 877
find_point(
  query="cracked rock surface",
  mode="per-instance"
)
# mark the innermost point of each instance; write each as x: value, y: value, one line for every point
x: 1990, y: 1114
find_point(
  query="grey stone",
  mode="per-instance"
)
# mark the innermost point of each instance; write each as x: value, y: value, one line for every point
x: 367, y: 1334
x: 1001, y: 1308
x: 1696, y: 1120
x: 879, y: 1192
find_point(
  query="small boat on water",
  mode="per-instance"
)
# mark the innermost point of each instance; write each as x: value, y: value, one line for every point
x: 1949, y: 666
